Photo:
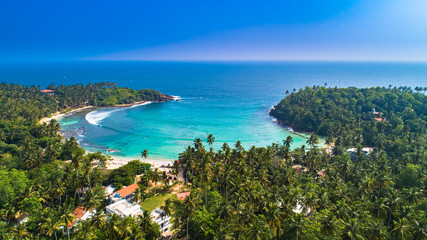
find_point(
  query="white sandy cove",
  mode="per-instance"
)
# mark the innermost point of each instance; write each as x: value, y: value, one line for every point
x: 59, y: 115
x: 117, y: 162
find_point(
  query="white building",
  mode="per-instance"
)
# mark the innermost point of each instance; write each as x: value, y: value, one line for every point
x: 163, y: 221
x: 353, y: 152
x: 124, y: 208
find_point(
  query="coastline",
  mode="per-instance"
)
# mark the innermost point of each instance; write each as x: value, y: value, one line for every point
x: 59, y: 115
x: 116, y: 162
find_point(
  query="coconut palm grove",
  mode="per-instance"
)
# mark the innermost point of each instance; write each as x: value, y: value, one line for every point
x: 333, y: 191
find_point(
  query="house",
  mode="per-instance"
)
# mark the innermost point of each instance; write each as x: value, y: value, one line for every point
x: 159, y: 217
x: 300, y: 168
x: 124, y: 193
x: 300, y: 209
x: 48, y: 92
x: 183, y: 196
x: 124, y: 208
x: 82, y: 214
x: 353, y: 152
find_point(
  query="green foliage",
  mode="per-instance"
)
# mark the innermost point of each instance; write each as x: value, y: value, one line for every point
x: 346, y: 116
x: 45, y: 178
x: 13, y: 185
x: 125, y: 175
x: 411, y: 176
x: 258, y: 194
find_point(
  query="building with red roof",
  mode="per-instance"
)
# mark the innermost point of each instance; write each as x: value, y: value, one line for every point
x: 183, y: 196
x: 48, y: 92
x: 124, y: 193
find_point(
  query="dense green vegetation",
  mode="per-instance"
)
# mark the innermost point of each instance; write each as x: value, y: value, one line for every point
x: 45, y: 178
x: 125, y: 175
x: 255, y: 193
x: 28, y: 103
x: 346, y: 116
x: 236, y: 193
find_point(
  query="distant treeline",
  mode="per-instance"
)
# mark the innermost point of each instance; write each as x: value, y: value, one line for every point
x: 21, y: 102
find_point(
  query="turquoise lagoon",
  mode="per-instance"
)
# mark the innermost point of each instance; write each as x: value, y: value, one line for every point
x: 228, y: 99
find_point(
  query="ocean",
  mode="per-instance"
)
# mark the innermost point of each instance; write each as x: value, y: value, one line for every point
x: 231, y: 100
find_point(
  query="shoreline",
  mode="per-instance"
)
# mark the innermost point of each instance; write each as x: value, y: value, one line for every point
x: 59, y: 115
x: 116, y: 162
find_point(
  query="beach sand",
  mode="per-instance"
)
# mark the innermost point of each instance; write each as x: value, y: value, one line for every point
x: 117, y: 162
x: 59, y: 115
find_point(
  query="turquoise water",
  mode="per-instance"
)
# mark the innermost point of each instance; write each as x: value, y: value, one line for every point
x: 229, y: 99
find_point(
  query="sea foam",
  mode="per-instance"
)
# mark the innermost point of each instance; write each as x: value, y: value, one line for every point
x: 96, y: 117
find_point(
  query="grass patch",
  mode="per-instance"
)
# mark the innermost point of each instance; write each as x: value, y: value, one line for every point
x: 156, y: 201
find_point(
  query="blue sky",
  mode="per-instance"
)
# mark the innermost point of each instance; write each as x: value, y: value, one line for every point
x: 391, y: 30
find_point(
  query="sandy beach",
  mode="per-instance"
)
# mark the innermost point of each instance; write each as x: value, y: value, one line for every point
x: 117, y: 162
x: 59, y: 115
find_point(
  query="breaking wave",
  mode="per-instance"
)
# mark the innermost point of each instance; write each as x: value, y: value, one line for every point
x: 96, y: 117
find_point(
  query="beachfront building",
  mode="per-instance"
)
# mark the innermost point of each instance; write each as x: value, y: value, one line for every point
x: 159, y: 217
x: 182, y: 196
x: 124, y: 193
x: 124, y: 208
x: 82, y: 214
x: 353, y: 152
x: 48, y: 92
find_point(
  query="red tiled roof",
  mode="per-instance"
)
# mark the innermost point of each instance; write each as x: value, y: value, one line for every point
x: 127, y: 190
x: 182, y: 196
x: 47, y: 91
x: 79, y: 212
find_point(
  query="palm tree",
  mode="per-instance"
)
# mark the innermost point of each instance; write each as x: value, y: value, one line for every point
x: 144, y: 220
x: 329, y: 223
x: 93, y: 198
x: 289, y: 140
x: 51, y: 226
x: 274, y: 217
x: 419, y: 230
x: 258, y: 230
x: 67, y: 218
x: 86, y: 232
x: 295, y: 227
x: 139, y: 195
x: 167, y: 208
x: 113, y: 229
x: 210, y: 139
x: 144, y: 154
x: 352, y: 230
x: 156, y: 177
x: 401, y: 230
x: 313, y: 140
x: 189, y: 207
x: 19, y: 232
x: 377, y: 230
x: 165, y: 178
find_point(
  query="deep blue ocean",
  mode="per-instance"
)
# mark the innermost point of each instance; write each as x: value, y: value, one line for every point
x: 228, y: 99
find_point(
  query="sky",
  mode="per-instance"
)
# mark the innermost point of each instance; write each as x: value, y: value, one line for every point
x: 331, y: 30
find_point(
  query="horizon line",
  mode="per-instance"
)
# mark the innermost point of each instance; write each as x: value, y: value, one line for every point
x: 213, y: 60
